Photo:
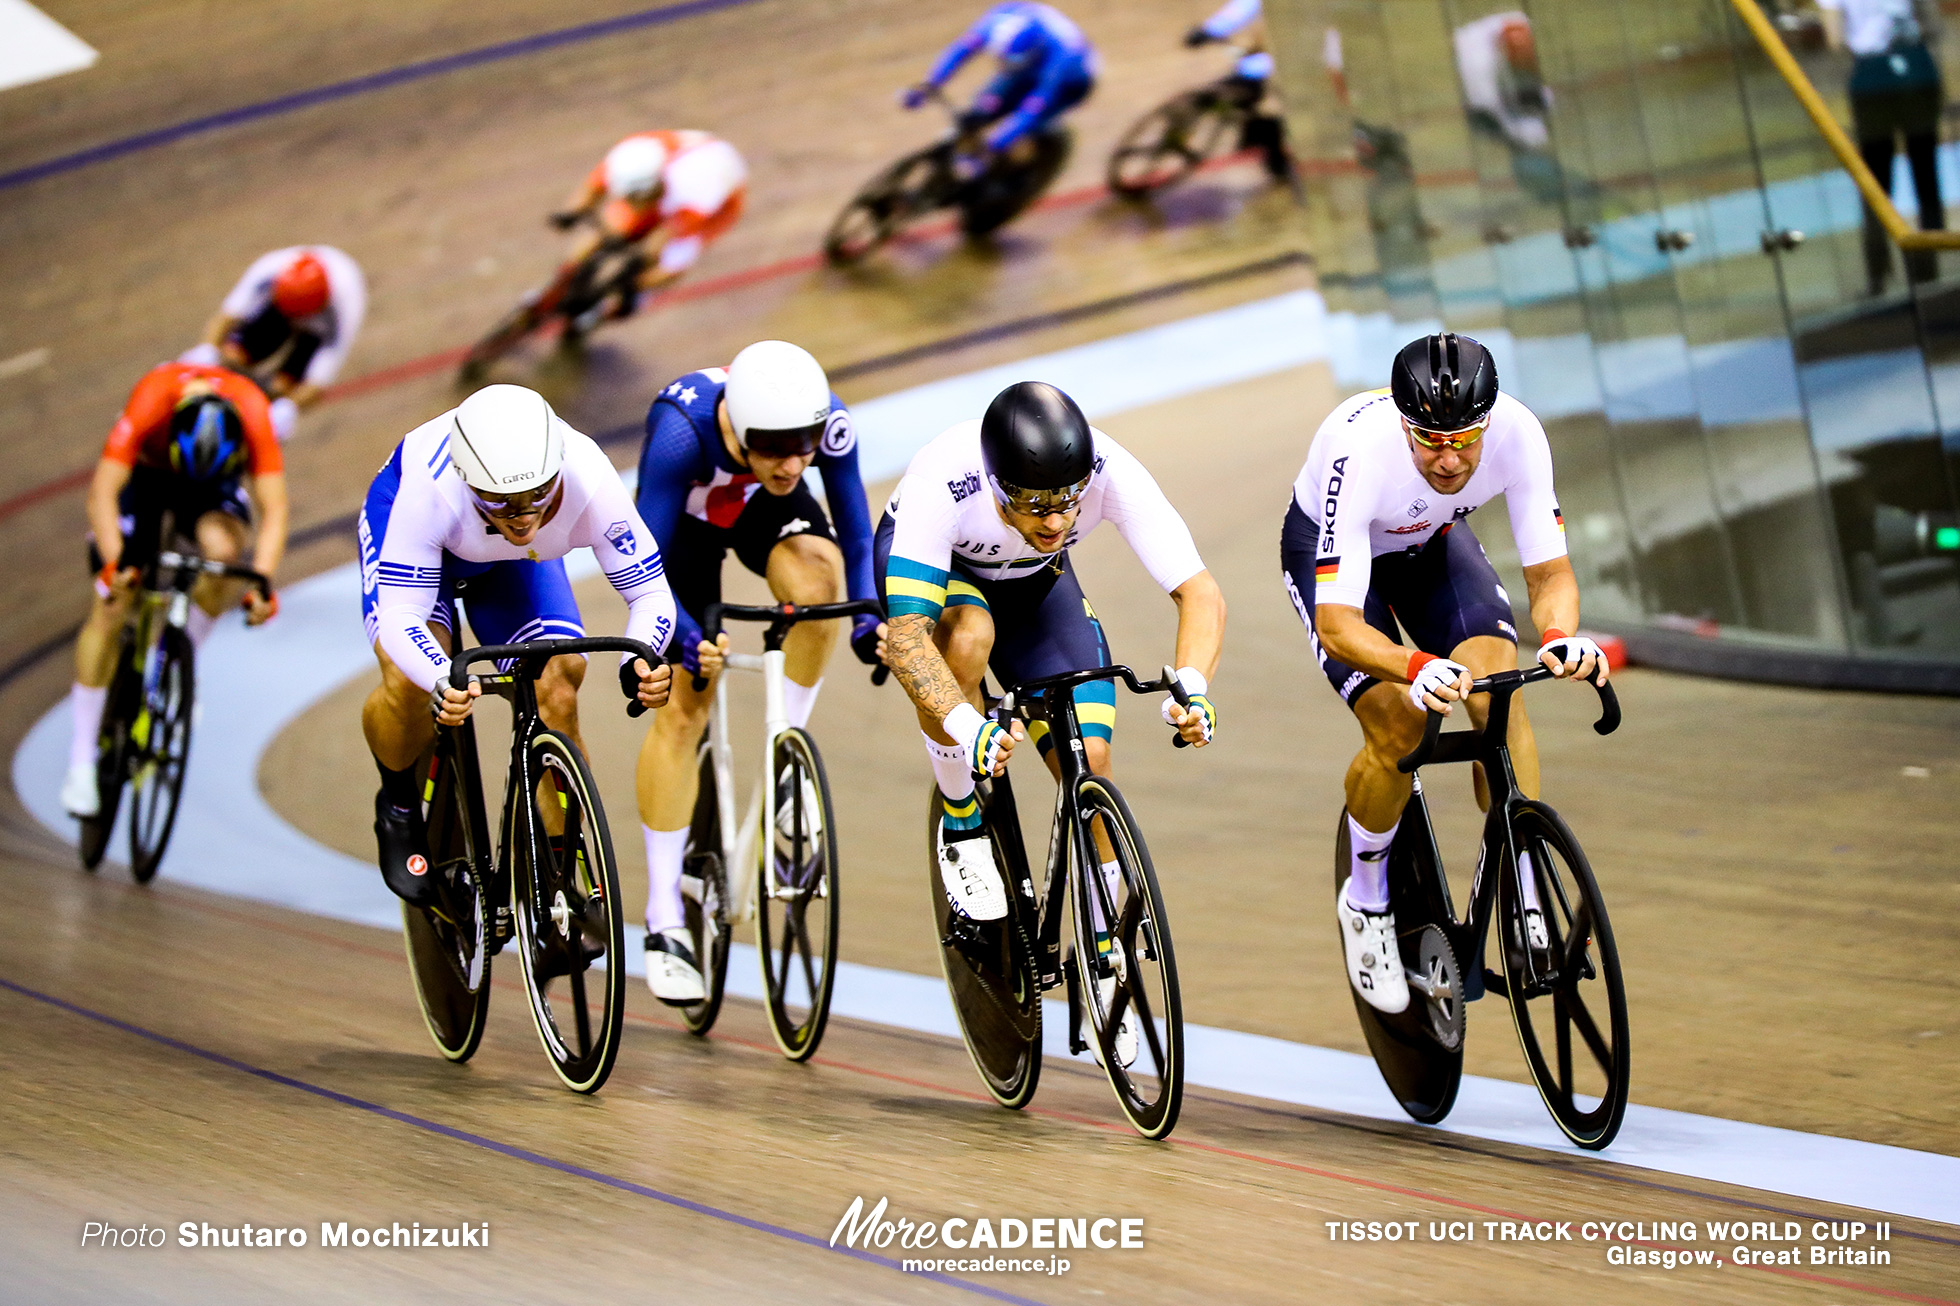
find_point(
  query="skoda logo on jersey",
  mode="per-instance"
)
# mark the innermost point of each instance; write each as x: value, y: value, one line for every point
x: 622, y: 538
x: 839, y: 436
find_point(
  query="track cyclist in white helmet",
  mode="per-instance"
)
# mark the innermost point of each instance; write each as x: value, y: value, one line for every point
x: 677, y: 191
x: 1377, y: 533
x: 722, y: 468
x: 472, y: 516
x: 973, y: 560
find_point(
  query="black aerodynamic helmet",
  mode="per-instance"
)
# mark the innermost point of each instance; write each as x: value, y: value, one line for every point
x: 1444, y: 382
x: 1034, y: 439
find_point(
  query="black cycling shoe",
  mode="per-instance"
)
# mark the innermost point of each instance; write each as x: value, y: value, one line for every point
x: 404, y: 854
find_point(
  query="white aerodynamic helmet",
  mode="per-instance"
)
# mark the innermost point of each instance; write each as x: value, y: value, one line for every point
x: 633, y: 167
x: 506, y: 440
x: 778, y: 399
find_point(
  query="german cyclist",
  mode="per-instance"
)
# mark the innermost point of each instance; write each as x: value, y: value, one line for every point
x: 1378, y: 531
x: 191, y: 445
x: 473, y: 515
x: 722, y: 468
x: 290, y: 320
x: 1047, y: 67
x: 972, y: 555
x: 675, y: 192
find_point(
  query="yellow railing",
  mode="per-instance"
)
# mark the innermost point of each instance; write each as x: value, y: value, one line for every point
x: 1902, y: 233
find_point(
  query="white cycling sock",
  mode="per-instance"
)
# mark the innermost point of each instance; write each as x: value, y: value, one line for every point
x: 949, y: 768
x: 664, y: 851
x: 800, y: 700
x: 1528, y: 882
x: 86, y: 703
x: 198, y: 625
x: 1367, y: 887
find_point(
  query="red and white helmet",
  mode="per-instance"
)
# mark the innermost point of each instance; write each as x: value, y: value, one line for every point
x: 633, y: 167
x: 302, y: 289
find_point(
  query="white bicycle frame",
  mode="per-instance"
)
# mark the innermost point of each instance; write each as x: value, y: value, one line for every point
x: 742, y: 849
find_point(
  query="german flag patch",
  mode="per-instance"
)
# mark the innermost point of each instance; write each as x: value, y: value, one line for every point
x: 1559, y: 517
x: 1326, y: 568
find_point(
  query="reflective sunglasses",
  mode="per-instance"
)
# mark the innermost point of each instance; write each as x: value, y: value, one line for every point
x: 1040, y: 503
x: 505, y: 507
x: 788, y: 442
x: 1457, y: 440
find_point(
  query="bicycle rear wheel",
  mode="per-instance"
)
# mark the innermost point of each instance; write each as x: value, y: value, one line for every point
x: 1166, y: 145
x: 1569, y: 991
x: 565, y: 890
x: 989, y: 966
x: 111, y: 756
x: 160, y: 746
x: 886, y: 203
x: 796, y: 900
x: 704, y: 896
x: 1128, y: 968
x: 448, y: 951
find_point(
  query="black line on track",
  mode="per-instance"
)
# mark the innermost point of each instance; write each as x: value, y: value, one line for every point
x: 502, y: 1149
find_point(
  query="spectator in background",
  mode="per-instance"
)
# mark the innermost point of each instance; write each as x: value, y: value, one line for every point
x: 1895, y: 91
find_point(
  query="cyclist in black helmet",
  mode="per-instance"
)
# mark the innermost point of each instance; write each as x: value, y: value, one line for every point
x: 1378, y: 532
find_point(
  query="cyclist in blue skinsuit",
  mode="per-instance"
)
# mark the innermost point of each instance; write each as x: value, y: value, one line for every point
x: 722, y: 468
x: 1047, y: 67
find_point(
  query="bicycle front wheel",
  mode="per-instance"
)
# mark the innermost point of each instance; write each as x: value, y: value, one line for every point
x: 1129, y: 973
x: 704, y: 896
x: 160, y: 745
x: 1166, y: 145
x: 448, y: 951
x: 565, y: 891
x: 111, y: 755
x: 1563, y: 977
x: 796, y: 899
x: 886, y: 203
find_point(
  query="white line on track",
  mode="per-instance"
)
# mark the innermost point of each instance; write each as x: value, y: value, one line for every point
x: 34, y: 47
x: 230, y: 840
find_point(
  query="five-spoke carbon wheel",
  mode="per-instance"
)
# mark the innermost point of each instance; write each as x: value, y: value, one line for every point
x: 159, y: 747
x: 704, y: 897
x: 796, y: 899
x: 1566, y: 995
x: 448, y: 950
x: 886, y: 203
x: 1128, y: 986
x: 565, y: 891
x: 1167, y: 144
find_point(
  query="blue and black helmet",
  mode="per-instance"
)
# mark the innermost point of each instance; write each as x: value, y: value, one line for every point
x: 207, y: 438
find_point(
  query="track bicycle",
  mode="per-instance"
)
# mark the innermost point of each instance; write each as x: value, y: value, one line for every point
x: 1561, y: 972
x: 144, y: 741
x: 611, y: 270
x: 1168, y: 144
x: 555, y: 891
x: 1119, y: 963
x: 925, y: 181
x: 792, y: 873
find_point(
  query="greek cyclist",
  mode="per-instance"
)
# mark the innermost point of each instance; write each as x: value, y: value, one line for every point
x: 722, y: 468
x: 290, y: 320
x: 1378, y: 531
x: 1251, y: 78
x: 675, y: 192
x: 1047, y: 67
x: 190, y: 443
x: 973, y: 559
x: 473, y: 515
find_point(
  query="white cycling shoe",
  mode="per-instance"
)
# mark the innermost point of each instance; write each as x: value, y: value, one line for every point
x: 1374, y: 961
x: 971, y: 879
x: 79, y: 796
x: 672, y: 972
x: 1126, y: 1029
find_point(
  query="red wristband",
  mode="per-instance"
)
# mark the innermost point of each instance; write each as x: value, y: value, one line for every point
x: 1417, y: 661
x: 1551, y: 633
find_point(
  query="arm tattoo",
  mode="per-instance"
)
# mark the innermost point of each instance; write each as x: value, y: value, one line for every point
x: 919, y: 666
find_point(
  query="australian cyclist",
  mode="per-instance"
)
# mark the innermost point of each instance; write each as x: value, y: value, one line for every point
x: 722, y: 468
x: 973, y: 560
x: 1047, y: 67
x: 190, y: 445
x: 473, y: 515
x: 1378, y: 531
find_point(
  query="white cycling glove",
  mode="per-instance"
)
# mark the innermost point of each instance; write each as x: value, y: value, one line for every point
x: 1193, y: 682
x: 1428, y: 673
x: 980, y: 737
x: 285, y: 417
x: 1570, y: 650
x: 202, y: 355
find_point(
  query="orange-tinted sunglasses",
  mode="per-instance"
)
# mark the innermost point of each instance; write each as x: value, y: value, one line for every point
x: 1457, y: 440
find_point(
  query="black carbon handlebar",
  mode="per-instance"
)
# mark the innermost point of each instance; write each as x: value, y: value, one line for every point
x: 190, y: 562
x: 1014, y: 701
x: 459, y: 666
x: 1509, y: 682
x: 786, y: 615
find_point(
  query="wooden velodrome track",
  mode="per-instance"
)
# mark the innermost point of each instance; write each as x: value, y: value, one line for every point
x: 1784, y: 895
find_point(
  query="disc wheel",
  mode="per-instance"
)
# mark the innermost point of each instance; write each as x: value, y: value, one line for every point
x: 990, y: 970
x: 1166, y: 145
x: 565, y: 890
x: 1128, y: 970
x: 886, y: 203
x: 796, y: 900
x: 704, y: 897
x: 448, y: 952
x: 999, y: 196
x: 1567, y: 998
x: 159, y: 747
x: 111, y: 758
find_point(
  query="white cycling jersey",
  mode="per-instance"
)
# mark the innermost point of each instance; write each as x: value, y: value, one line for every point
x: 1362, y: 489
x: 336, y: 325
x: 434, y: 514
x: 944, y: 512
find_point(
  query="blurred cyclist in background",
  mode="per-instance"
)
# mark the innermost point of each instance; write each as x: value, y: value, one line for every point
x: 1047, y: 67
x: 675, y: 191
x: 289, y: 322
x: 1251, y: 76
x: 188, y: 442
